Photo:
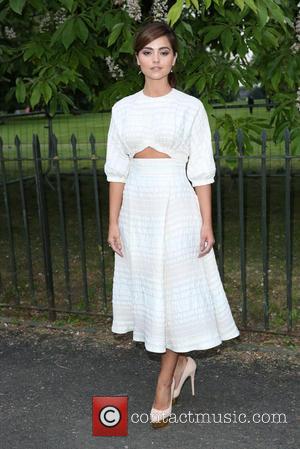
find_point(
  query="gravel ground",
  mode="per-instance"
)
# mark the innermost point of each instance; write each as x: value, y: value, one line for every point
x: 49, y: 375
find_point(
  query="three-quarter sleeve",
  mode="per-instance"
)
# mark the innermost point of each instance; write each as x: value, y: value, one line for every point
x: 201, y: 168
x: 116, y: 166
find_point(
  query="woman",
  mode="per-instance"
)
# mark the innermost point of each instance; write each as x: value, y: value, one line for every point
x: 166, y: 286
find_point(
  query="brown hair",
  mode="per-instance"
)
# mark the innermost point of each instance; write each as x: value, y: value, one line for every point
x: 154, y: 30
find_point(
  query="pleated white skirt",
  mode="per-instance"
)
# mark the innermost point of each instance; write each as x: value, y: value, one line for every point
x: 162, y: 291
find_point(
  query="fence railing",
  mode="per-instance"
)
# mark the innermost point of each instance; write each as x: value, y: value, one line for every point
x: 53, y: 229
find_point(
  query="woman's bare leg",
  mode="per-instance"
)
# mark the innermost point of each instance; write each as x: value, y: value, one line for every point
x: 181, y: 362
x: 172, y: 364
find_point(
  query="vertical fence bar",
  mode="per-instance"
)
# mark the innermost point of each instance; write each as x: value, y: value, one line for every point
x: 12, y: 253
x: 99, y: 219
x: 80, y: 223
x: 288, y: 249
x: 264, y: 231
x: 49, y: 126
x: 240, y: 141
x: 25, y: 221
x: 44, y: 226
x: 219, y: 208
x: 62, y: 221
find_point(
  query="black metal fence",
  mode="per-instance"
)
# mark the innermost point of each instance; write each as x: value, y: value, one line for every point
x: 53, y: 230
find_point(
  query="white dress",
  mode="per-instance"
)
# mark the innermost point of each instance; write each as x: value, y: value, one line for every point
x: 162, y: 291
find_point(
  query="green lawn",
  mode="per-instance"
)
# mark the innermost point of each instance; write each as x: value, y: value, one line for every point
x: 63, y: 126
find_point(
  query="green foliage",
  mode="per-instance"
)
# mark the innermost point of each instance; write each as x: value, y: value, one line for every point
x: 59, y: 51
x: 251, y: 129
x: 17, y: 5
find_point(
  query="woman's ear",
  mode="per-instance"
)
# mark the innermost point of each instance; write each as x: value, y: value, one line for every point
x: 137, y: 59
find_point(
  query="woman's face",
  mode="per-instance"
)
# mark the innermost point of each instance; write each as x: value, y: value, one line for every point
x: 156, y: 58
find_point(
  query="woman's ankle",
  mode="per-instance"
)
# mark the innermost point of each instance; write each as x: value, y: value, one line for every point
x: 181, y: 360
x: 167, y: 383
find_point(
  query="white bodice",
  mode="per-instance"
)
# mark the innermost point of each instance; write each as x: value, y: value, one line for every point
x: 175, y: 124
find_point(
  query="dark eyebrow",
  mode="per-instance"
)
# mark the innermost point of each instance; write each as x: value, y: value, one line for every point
x: 159, y: 48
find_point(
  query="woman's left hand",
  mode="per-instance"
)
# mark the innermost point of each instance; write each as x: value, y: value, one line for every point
x: 207, y: 239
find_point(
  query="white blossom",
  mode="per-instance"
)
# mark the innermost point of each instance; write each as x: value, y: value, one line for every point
x: 133, y: 9
x: 298, y: 99
x: 114, y: 68
x: 296, y: 45
x: 49, y: 19
x: 60, y: 16
x: 159, y: 10
x: 9, y: 33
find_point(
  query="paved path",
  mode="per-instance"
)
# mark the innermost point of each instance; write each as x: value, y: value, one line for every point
x: 47, y: 382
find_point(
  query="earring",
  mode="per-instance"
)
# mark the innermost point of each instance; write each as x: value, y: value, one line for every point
x: 139, y: 72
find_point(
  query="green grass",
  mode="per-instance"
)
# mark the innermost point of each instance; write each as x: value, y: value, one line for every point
x: 63, y: 126
x: 82, y: 126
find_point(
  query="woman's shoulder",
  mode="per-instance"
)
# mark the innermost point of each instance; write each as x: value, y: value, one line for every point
x: 194, y: 101
x: 194, y: 104
x: 123, y: 103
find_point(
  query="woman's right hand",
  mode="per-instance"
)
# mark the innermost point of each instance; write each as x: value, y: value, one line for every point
x: 114, y: 239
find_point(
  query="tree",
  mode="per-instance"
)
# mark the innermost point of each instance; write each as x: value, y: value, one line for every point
x: 51, y: 52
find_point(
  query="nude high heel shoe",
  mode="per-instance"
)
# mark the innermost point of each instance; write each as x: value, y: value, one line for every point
x: 160, y: 418
x: 189, y: 371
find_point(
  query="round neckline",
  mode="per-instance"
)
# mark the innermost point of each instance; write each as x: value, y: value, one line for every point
x: 159, y: 96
